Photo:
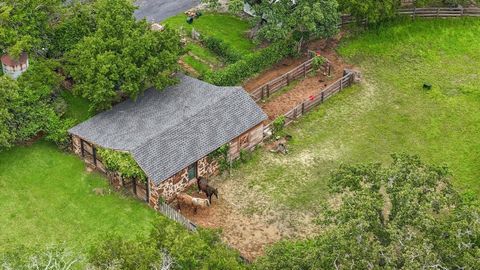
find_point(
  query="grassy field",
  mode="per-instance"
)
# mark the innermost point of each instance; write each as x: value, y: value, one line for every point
x: 47, y: 198
x: 229, y: 28
x: 389, y: 112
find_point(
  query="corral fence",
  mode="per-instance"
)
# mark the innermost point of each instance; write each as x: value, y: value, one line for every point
x: 440, y: 12
x: 171, y: 213
x: 308, y: 104
x: 266, y: 90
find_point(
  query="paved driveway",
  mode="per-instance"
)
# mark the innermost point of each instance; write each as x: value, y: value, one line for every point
x: 159, y: 10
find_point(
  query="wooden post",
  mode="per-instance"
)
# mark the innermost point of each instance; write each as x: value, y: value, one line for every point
x: 341, y: 83
x: 438, y: 12
x: 261, y: 96
x: 148, y: 191
x: 123, y: 180
x: 81, y: 147
x: 135, y: 186
x: 463, y: 11
x: 94, y: 155
x: 329, y: 70
x: 303, y: 108
x: 268, y: 90
x: 414, y: 12
x: 323, y: 95
x: 288, y: 78
x: 305, y: 69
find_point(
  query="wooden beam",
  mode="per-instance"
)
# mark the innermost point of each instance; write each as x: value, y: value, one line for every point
x: 81, y: 147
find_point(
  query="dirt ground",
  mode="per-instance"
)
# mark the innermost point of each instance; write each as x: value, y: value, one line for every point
x: 250, y: 221
x: 245, y: 230
x: 282, y: 103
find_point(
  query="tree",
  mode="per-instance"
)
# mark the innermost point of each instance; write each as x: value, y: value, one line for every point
x: 299, y: 20
x: 24, y: 24
x: 373, y: 11
x: 8, y: 95
x: 122, y: 57
x: 405, y: 216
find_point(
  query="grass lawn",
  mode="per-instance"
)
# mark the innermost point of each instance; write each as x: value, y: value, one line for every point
x: 77, y: 107
x: 390, y: 112
x: 46, y: 198
x: 229, y: 28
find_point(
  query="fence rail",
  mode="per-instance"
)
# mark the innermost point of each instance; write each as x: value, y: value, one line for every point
x: 308, y: 104
x: 278, y: 83
x: 440, y: 12
x: 174, y: 215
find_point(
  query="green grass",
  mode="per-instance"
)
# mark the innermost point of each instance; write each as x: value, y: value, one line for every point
x: 390, y: 112
x: 196, y: 64
x: 77, y: 107
x: 46, y: 198
x: 229, y: 28
x: 204, y: 54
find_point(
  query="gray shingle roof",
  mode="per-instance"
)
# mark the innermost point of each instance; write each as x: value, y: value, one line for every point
x: 168, y: 130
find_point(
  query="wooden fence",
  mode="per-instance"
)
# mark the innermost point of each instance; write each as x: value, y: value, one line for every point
x: 264, y: 91
x: 307, y: 105
x: 439, y: 12
x: 174, y: 215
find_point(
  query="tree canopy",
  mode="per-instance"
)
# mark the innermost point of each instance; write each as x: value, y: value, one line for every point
x: 122, y: 56
x: 373, y: 11
x: 24, y: 24
x: 302, y: 19
x: 405, y: 216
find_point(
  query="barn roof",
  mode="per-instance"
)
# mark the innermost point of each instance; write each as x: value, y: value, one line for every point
x: 165, y: 131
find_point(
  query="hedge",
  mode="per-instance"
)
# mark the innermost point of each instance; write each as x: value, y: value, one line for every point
x: 222, y: 49
x: 250, y: 64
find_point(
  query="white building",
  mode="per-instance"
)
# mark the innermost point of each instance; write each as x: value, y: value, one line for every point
x: 14, y: 67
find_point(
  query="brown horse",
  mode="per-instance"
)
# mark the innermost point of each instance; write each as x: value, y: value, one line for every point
x: 185, y: 199
x: 203, y: 185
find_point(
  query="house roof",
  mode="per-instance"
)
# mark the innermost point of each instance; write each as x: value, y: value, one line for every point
x: 165, y: 131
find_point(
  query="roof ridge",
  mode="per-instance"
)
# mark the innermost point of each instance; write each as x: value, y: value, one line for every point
x: 208, y: 105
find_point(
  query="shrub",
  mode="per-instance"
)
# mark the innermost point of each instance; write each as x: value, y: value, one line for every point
x: 221, y: 155
x: 114, y: 252
x: 123, y: 163
x: 250, y: 64
x: 222, y: 49
x: 194, y: 250
x: 278, y: 124
x: 318, y: 62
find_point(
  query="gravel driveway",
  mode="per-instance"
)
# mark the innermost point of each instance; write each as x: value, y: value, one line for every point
x: 159, y: 10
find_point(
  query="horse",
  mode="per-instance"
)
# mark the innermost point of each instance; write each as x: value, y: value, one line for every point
x: 203, y: 185
x: 186, y: 199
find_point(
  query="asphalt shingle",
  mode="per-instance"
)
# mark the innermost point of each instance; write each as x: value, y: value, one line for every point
x: 168, y: 130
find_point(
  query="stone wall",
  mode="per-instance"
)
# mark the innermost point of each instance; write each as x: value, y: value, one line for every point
x: 179, y: 182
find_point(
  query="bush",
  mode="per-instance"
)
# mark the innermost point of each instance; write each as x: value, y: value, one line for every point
x: 114, y: 252
x: 222, y: 49
x: 194, y: 250
x: 123, y: 163
x: 278, y: 124
x: 52, y: 258
x: 250, y: 64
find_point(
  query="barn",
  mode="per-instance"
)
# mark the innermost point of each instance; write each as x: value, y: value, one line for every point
x: 170, y: 133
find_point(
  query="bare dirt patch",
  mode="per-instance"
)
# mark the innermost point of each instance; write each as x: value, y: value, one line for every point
x: 248, y: 221
x: 275, y: 71
x: 303, y: 89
